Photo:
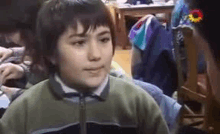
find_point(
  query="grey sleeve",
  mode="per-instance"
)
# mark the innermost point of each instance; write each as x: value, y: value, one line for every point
x: 17, y: 54
x: 18, y: 51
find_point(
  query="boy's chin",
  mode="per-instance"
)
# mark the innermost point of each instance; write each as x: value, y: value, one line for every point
x: 93, y: 84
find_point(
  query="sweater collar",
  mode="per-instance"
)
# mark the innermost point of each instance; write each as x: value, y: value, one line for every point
x: 60, y: 90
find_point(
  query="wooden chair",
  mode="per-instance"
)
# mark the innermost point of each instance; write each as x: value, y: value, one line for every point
x: 191, y: 89
x: 212, y: 118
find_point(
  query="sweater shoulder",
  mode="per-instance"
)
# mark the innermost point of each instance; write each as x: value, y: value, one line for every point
x: 124, y: 85
x: 129, y: 90
x: 34, y: 93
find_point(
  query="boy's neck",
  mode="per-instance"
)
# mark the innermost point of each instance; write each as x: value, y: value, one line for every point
x: 68, y: 89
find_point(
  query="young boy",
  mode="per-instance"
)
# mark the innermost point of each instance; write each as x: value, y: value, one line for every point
x: 76, y: 46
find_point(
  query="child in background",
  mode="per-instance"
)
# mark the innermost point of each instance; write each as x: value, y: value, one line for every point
x: 76, y: 46
x: 17, y: 31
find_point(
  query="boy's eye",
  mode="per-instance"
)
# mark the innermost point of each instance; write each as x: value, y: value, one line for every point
x: 79, y: 43
x: 105, y: 40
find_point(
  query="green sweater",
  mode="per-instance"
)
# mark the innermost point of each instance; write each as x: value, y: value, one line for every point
x: 122, y: 108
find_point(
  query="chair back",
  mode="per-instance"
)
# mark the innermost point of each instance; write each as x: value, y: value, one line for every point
x: 189, y: 90
x: 192, y: 57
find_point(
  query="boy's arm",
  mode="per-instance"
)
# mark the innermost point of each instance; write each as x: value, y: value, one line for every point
x: 29, y: 79
x: 17, y: 51
x: 26, y: 68
x: 150, y: 117
x: 32, y: 77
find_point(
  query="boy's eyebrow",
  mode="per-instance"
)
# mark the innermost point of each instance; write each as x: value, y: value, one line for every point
x: 84, y: 35
x: 78, y: 35
x: 104, y: 32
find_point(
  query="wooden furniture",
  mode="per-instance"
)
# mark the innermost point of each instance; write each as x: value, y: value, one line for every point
x: 191, y: 90
x: 138, y: 10
x: 212, y: 117
x: 122, y: 57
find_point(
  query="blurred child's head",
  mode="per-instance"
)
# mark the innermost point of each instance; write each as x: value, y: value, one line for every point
x: 76, y: 40
x: 207, y: 38
x: 17, y: 20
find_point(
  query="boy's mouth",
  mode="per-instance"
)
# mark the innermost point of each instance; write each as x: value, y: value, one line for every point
x: 94, y: 70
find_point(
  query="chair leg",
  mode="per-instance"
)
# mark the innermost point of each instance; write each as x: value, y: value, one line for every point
x: 189, y: 111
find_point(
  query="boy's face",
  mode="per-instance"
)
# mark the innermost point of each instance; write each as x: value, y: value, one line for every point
x: 84, y: 60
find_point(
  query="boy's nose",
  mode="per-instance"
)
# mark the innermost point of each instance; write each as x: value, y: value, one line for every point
x: 94, y: 51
